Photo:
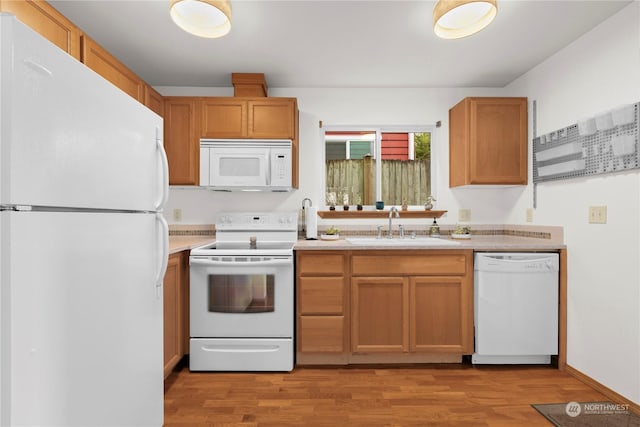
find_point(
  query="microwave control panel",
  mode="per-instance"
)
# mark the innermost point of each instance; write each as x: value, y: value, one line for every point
x: 280, y: 167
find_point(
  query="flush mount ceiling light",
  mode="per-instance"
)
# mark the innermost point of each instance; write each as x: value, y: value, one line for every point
x: 202, y: 18
x: 454, y: 19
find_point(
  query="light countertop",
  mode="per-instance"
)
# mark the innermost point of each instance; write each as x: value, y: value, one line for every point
x: 477, y: 243
x: 186, y: 243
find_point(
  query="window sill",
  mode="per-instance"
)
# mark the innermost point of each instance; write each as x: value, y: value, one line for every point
x: 341, y: 214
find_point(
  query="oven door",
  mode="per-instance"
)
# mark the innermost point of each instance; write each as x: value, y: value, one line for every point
x: 241, y: 296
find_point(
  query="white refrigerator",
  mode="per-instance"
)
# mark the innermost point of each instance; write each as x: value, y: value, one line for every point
x: 83, y: 244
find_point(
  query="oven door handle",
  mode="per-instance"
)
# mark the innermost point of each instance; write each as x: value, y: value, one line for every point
x: 214, y: 263
x: 241, y: 348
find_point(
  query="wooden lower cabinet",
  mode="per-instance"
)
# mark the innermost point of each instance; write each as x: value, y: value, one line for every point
x: 379, y: 314
x: 441, y: 314
x: 322, y: 308
x: 176, y: 312
x: 384, y: 306
x: 418, y: 302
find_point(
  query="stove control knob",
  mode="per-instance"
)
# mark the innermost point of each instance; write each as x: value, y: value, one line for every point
x: 285, y: 220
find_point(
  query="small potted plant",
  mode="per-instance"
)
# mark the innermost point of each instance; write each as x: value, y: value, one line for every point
x: 332, y: 233
x: 461, y: 232
x: 331, y: 200
x: 428, y: 204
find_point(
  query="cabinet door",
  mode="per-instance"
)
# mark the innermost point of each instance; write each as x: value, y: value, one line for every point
x: 108, y: 66
x: 181, y: 142
x: 441, y: 314
x: 223, y: 118
x: 498, y: 141
x: 272, y: 118
x: 488, y: 142
x: 47, y: 21
x: 321, y: 334
x: 379, y: 314
x: 153, y: 100
x: 173, y: 303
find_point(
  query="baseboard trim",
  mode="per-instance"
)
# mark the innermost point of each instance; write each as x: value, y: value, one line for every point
x: 617, y: 398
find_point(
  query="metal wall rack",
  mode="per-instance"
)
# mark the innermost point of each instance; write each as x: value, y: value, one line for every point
x: 604, y: 144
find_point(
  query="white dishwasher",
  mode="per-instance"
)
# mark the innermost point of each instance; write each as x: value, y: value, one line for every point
x: 515, y: 308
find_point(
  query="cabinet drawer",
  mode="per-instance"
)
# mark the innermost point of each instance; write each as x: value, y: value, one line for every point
x: 391, y: 264
x: 321, y: 264
x: 322, y: 334
x: 321, y: 295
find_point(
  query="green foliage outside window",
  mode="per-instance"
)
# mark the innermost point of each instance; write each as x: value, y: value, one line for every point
x: 423, y: 146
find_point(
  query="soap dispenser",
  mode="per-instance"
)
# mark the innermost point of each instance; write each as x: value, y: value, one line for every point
x: 434, y: 230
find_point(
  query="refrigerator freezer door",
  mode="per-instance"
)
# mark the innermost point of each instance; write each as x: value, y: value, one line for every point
x: 81, y: 323
x: 69, y: 137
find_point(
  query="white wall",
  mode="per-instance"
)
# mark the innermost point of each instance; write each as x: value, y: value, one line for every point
x: 599, y: 71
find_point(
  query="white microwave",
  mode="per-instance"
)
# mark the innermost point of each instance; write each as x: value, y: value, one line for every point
x: 246, y: 165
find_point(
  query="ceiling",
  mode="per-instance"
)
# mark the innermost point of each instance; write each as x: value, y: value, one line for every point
x: 339, y: 44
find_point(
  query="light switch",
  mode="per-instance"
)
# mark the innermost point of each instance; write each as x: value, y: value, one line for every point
x: 529, y: 214
x: 597, y: 214
x: 464, y: 215
x: 177, y: 215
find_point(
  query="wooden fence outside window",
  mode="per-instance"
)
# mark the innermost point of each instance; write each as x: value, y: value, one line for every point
x: 353, y: 181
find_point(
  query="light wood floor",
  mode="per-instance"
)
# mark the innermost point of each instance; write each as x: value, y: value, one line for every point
x: 432, y: 395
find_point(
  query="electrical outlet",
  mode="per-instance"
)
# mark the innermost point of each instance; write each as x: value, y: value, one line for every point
x: 529, y: 214
x: 597, y: 214
x: 177, y: 215
x: 464, y: 215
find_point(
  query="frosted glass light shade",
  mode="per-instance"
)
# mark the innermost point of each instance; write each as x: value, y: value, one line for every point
x: 454, y: 19
x: 202, y: 18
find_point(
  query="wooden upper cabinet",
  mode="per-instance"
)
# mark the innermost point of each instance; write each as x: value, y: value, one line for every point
x: 223, y: 118
x: 272, y: 118
x: 488, y: 142
x: 47, y: 21
x: 181, y: 139
x: 255, y: 118
x: 153, y: 100
x: 108, y: 66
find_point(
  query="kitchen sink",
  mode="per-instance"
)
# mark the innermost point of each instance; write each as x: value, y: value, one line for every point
x: 396, y: 241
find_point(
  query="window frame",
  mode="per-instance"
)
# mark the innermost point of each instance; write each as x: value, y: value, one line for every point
x: 379, y: 130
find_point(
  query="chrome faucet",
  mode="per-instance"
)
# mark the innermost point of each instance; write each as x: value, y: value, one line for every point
x: 391, y: 211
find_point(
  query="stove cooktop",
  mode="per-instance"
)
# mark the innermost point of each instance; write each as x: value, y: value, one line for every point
x: 245, y: 248
x: 218, y: 246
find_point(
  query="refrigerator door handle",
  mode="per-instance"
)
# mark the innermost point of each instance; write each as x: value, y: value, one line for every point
x: 38, y: 67
x: 164, y: 249
x: 165, y: 174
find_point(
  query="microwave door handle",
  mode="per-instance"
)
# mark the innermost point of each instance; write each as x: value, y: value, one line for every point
x: 268, y: 171
x: 208, y: 262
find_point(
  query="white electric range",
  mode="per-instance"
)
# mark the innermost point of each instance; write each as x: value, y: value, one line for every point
x: 242, y: 294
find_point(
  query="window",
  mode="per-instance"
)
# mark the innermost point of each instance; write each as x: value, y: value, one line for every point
x: 356, y: 174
